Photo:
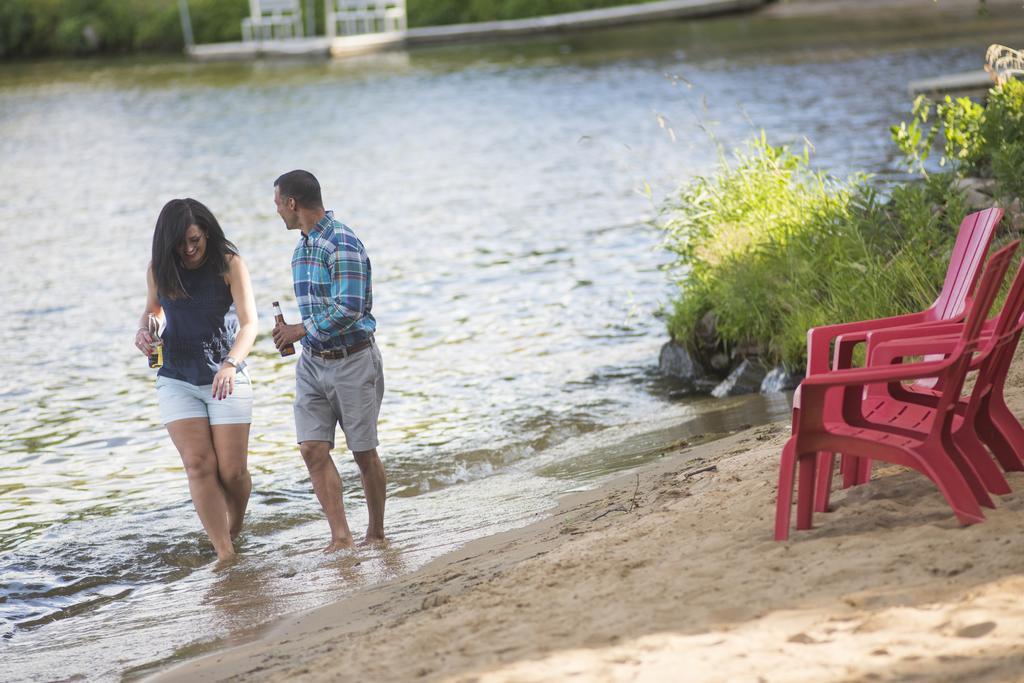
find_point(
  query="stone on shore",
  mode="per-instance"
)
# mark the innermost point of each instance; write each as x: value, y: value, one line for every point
x: 745, y: 379
x: 676, y: 362
x: 779, y: 380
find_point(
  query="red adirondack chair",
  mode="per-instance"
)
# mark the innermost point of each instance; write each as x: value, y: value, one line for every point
x: 972, y: 243
x: 824, y: 402
x: 982, y: 418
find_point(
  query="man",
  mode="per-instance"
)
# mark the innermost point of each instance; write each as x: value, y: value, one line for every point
x: 339, y: 376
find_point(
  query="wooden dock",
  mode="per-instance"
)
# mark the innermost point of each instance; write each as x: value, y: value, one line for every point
x: 968, y: 84
x: 373, y: 42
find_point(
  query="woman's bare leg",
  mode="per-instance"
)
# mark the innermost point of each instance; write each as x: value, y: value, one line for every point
x: 194, y: 442
x: 231, y: 443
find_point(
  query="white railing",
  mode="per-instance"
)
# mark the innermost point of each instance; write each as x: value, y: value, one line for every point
x: 358, y: 17
x: 272, y: 19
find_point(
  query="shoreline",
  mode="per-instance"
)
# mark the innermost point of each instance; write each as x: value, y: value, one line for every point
x: 672, y: 568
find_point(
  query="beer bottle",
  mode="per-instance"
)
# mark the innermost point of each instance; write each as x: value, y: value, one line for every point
x: 289, y: 349
x: 156, y: 352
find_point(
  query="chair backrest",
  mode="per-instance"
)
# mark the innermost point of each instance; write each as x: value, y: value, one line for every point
x: 1004, y: 337
x: 953, y: 381
x: 972, y: 242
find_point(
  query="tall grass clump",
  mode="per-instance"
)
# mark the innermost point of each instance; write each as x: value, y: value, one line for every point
x: 771, y: 247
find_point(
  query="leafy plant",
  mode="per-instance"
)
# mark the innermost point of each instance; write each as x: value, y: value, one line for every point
x: 772, y: 248
x: 985, y: 141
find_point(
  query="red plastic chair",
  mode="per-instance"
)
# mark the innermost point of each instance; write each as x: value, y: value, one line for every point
x: 983, y: 419
x: 824, y: 402
x: 972, y: 243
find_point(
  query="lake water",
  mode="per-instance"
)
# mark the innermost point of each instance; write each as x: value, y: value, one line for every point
x: 505, y: 194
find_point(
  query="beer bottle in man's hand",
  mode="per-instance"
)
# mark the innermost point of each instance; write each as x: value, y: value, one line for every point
x: 288, y: 349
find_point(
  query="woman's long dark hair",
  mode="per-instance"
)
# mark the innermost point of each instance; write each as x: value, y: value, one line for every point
x: 174, y: 221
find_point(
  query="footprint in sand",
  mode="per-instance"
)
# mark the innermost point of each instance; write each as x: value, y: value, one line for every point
x: 977, y: 630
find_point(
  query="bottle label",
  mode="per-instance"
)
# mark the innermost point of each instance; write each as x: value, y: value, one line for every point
x: 156, y: 355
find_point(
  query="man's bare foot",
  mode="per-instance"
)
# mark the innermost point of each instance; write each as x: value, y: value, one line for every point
x: 375, y: 541
x: 337, y: 544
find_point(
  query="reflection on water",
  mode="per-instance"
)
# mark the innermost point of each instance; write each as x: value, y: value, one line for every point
x: 503, y: 193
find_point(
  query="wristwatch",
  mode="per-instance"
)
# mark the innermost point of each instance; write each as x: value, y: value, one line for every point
x: 230, y: 360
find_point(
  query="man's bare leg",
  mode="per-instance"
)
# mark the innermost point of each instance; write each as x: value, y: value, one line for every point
x: 374, y: 485
x: 327, y: 486
x: 231, y: 442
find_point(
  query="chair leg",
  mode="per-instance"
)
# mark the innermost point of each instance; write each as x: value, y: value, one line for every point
x: 954, y: 488
x: 975, y: 453
x: 1009, y: 429
x: 784, y: 497
x: 850, y: 467
x: 948, y: 451
x: 995, y: 438
x: 808, y: 464
x: 823, y: 487
x: 863, y: 471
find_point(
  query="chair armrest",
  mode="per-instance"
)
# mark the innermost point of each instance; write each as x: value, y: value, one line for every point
x: 885, y: 373
x: 820, y: 338
x: 918, y: 336
x: 886, y: 352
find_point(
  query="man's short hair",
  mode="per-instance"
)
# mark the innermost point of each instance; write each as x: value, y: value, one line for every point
x: 303, y: 187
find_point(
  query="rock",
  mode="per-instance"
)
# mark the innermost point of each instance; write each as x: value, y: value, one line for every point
x: 985, y: 186
x: 676, y: 362
x: 779, y: 380
x: 706, y: 332
x: 719, y: 362
x: 745, y: 379
x: 976, y: 201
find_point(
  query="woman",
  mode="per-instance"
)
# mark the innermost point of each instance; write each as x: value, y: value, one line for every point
x: 205, y: 396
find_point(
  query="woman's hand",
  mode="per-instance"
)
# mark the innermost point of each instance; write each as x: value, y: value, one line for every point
x: 144, y: 341
x: 224, y: 382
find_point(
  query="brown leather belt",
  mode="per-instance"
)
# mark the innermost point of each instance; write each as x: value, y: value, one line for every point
x: 344, y: 352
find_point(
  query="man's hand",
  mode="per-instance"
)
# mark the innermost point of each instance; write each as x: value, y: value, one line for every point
x: 288, y: 334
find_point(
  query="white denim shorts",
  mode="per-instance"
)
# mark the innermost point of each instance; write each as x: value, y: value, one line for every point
x: 180, y: 400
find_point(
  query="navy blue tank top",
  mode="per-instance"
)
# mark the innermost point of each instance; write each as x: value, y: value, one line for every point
x: 200, y: 328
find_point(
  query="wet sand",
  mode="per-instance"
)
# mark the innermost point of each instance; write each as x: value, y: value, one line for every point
x: 670, y: 573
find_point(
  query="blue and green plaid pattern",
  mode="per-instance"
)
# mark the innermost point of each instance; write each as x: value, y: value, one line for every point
x: 333, y: 288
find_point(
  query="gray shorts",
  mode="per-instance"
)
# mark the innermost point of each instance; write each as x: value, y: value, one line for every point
x: 345, y: 391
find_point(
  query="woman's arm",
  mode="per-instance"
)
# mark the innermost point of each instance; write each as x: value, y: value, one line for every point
x: 143, y: 337
x: 245, y: 307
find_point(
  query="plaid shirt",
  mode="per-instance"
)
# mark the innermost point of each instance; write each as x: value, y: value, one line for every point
x: 333, y: 288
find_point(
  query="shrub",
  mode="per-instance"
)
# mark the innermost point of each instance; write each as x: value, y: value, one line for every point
x: 985, y: 141
x: 774, y: 248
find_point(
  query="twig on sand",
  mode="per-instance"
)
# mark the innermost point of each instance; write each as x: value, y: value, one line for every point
x: 709, y: 468
x: 633, y: 504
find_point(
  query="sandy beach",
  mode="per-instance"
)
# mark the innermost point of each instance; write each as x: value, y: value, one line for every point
x: 670, y: 573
